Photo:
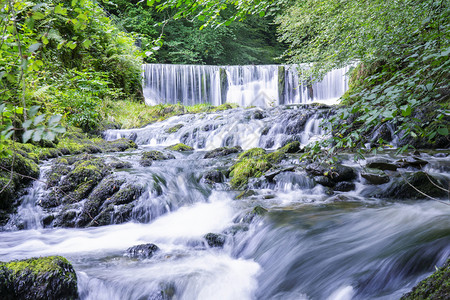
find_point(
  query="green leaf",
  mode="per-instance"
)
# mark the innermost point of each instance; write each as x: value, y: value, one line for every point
x: 27, y: 135
x: 48, y: 136
x: 39, y: 119
x: 60, y: 10
x: 54, y: 120
x: 262, y: 13
x: 443, y: 131
x: 38, y: 15
x: 44, y: 40
x: 32, y: 111
x: 34, y: 47
x: 406, y: 110
x: 58, y: 129
x: 86, y: 43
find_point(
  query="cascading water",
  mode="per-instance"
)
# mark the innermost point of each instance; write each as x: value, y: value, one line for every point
x: 309, y: 245
x: 259, y: 85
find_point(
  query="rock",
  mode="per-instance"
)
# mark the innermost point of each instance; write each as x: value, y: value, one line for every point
x: 339, y: 173
x: 271, y: 175
x: 381, y: 164
x: 215, y: 240
x: 222, y: 151
x: 256, y: 211
x: 421, y: 181
x: 56, y: 172
x: 174, y: 129
x: 149, y: 156
x: 258, y: 115
x: 43, y: 278
x: 411, y: 162
x: 119, y: 164
x: 180, y: 147
x: 436, y: 286
x: 142, y: 251
x: 126, y: 194
x: 374, y: 176
x: 344, y: 186
x: 119, y: 145
x: 246, y: 194
x: 325, y: 181
x: 316, y: 169
x: 213, y: 177
x: 292, y: 147
x: 132, y: 136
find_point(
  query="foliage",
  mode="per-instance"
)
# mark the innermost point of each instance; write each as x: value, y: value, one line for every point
x: 252, y: 41
x: 402, y: 48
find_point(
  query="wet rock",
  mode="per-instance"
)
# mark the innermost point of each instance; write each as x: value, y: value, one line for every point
x: 44, y: 278
x: 142, y: 251
x: 436, y: 286
x: 56, y: 172
x: 119, y: 145
x: 316, y: 169
x: 381, y: 164
x: 132, y: 136
x: 271, y: 175
x: 126, y: 194
x: 213, y: 177
x: 374, y: 176
x: 180, y: 147
x: 344, y: 186
x: 296, y: 124
x: 292, y: 147
x: 408, y: 187
x: 174, y: 129
x: 411, y: 162
x: 215, y: 240
x: 325, y: 181
x: 149, y: 156
x: 257, y: 211
x: 339, y: 173
x: 119, y: 164
x: 258, y: 115
x: 246, y: 194
x: 66, y: 219
x: 222, y: 151
x: 122, y: 213
x: 235, y: 229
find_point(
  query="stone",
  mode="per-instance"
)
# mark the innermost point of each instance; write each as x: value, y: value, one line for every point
x: 142, y: 251
x: 215, y: 240
x: 180, y: 147
x: 257, y: 211
x: 174, y: 129
x: 325, y: 181
x: 381, y: 164
x: 222, y: 151
x: 213, y: 177
x: 339, y: 173
x: 344, y: 186
x: 44, y: 278
x: 414, y: 162
x: 374, y: 176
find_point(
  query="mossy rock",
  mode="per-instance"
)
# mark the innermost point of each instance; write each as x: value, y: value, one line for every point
x: 275, y: 157
x: 222, y: 151
x: 257, y: 211
x: 246, y: 194
x: 436, y: 286
x: 46, y: 278
x: 251, y: 163
x: 215, y: 240
x: 180, y: 147
x: 292, y: 147
x: 13, y: 184
x: 149, y: 156
x: 174, y: 129
x: 126, y: 194
x: 407, y: 187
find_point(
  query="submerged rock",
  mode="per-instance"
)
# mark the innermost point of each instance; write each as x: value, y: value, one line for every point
x: 142, y: 251
x: 246, y: 194
x: 215, y: 240
x: 381, y: 164
x: 411, y: 162
x: 256, y: 211
x: 213, y: 177
x: 374, y: 176
x: 174, y: 129
x: 222, y: 151
x: 180, y: 147
x: 436, y: 286
x: 43, y: 278
x: 344, y: 186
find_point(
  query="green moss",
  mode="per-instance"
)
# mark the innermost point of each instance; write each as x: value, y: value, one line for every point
x: 251, y: 163
x: 38, y: 278
x: 174, y: 128
x: 275, y: 157
x: 252, y: 153
x: 292, y: 147
x: 180, y: 147
x: 436, y: 286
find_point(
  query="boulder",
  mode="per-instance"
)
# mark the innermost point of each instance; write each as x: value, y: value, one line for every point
x: 374, y: 176
x: 381, y: 164
x: 414, y: 162
x: 325, y: 181
x: 246, y: 194
x: 180, y: 147
x: 344, y: 186
x: 222, y: 151
x: 174, y: 129
x: 213, y: 177
x: 149, y: 156
x: 435, y: 286
x: 292, y: 147
x: 119, y: 164
x: 256, y: 211
x: 45, y: 278
x: 142, y: 251
x: 339, y: 173
x: 215, y: 240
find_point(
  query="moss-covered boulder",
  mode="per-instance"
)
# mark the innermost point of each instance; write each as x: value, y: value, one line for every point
x: 336, y: 172
x: 257, y: 211
x: 43, y: 278
x: 222, y: 151
x: 174, y: 129
x: 16, y: 173
x: 180, y: 147
x: 374, y: 176
x: 149, y: 156
x: 417, y: 185
x: 251, y: 163
x: 436, y: 286
x: 213, y: 176
x: 292, y: 147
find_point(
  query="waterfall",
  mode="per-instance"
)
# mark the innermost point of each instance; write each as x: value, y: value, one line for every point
x: 252, y: 85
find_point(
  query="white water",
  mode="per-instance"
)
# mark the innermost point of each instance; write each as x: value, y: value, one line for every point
x: 245, y: 85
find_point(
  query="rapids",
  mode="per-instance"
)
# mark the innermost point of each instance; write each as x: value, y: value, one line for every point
x: 308, y: 246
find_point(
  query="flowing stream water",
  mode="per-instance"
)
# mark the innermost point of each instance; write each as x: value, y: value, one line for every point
x: 310, y: 245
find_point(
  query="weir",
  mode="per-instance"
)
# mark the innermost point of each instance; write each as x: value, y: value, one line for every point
x: 251, y: 85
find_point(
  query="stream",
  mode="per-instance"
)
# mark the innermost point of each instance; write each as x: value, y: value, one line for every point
x: 309, y: 245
